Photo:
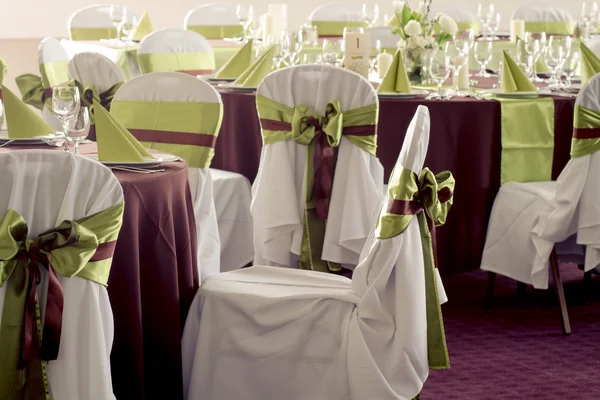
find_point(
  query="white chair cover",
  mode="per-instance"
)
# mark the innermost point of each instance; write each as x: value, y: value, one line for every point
x: 529, y: 218
x: 275, y: 333
x: 542, y: 11
x: 594, y: 45
x: 213, y: 14
x: 94, y: 16
x: 73, y: 47
x: 454, y: 11
x: 230, y: 192
x: 46, y: 188
x: 50, y: 50
x: 174, y: 41
x: 278, y: 191
x: 337, y: 12
x: 95, y: 69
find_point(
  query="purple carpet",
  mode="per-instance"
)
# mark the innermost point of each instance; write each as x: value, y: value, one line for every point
x: 518, y: 351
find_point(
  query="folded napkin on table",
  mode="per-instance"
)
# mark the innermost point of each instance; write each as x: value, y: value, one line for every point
x: 21, y: 121
x: 513, y: 77
x: 144, y: 27
x: 396, y: 79
x: 590, y: 63
x: 237, y: 64
x: 262, y: 67
x: 115, y: 142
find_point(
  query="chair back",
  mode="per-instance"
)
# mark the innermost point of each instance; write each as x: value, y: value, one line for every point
x: 93, y: 23
x: 331, y: 19
x: 95, y: 69
x: 53, y: 60
x: 179, y: 50
x: 544, y: 16
x: 465, y: 19
x: 47, y: 188
x: 214, y: 21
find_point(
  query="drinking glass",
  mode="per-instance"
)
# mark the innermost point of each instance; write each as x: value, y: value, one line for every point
x: 494, y: 25
x: 291, y: 48
x: 311, y: 58
x: 78, y: 128
x: 483, y: 55
x: 559, y: 48
x: 331, y: 51
x: 439, y: 70
x: 278, y: 55
x: 588, y: 17
x: 374, y: 52
x: 370, y: 14
x: 570, y: 67
x: 245, y: 15
x: 118, y: 13
x: 537, y: 50
x: 458, y: 54
x: 65, y: 104
x: 128, y: 27
x: 485, y: 13
x: 524, y: 57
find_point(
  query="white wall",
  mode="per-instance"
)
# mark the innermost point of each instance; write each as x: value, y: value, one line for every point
x: 39, y: 18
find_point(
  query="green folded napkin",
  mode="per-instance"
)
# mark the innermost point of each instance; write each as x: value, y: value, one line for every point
x: 262, y: 67
x: 21, y: 121
x: 590, y: 63
x: 3, y: 70
x: 396, y: 79
x: 237, y: 64
x: 115, y: 142
x: 144, y: 27
x: 513, y: 77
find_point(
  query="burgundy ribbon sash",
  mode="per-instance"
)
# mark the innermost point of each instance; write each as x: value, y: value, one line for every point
x: 173, y: 137
x: 195, y: 72
x: 414, y: 206
x: 586, y: 133
x: 323, y: 158
x: 54, y: 302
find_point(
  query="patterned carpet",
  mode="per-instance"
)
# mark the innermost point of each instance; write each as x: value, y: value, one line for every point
x: 518, y: 351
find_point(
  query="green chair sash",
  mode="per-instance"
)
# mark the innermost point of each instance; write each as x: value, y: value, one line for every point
x: 217, y: 31
x: 590, y: 63
x: 37, y: 90
x: 3, y: 70
x: 89, y: 93
x: 186, y: 129
x: 321, y: 135
x: 335, y: 28
x: 409, y: 195
x: 196, y: 63
x: 551, y: 27
x: 527, y: 128
x: 93, y: 33
x: 81, y: 248
x: 586, y: 132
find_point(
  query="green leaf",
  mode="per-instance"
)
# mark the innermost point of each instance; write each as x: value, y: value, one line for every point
x: 406, y: 14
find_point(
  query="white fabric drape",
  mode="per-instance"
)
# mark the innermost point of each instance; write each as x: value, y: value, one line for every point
x: 541, y: 10
x: 47, y: 188
x: 95, y: 69
x: 214, y: 14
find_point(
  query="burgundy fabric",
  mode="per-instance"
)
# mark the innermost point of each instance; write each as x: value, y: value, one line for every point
x: 171, y: 137
x: 465, y: 139
x: 586, y: 133
x: 153, y: 280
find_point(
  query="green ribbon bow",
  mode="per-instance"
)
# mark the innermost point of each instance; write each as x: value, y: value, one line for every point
x: 81, y: 248
x: 410, y: 194
x: 322, y: 135
x: 586, y: 132
x: 89, y: 93
x: 32, y: 90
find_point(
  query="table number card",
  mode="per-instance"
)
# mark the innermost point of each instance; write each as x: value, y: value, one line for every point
x: 356, y: 53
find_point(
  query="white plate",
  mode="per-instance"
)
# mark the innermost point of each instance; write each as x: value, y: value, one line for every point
x: 32, y: 141
x: 512, y: 95
x: 237, y: 87
x: 149, y: 162
x: 220, y: 80
x: 414, y: 93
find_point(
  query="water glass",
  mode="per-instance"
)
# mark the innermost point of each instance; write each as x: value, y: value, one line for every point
x: 78, y: 128
x: 331, y: 51
x: 65, y: 104
x: 439, y: 70
x: 483, y: 51
x: 311, y: 58
x: 374, y: 52
x: 494, y: 25
x: 291, y: 47
x: 485, y: 13
x: 559, y: 48
x: 370, y: 14
x: 128, y: 27
x: 570, y: 66
x: 245, y: 16
x: 278, y: 54
x: 118, y: 13
x: 458, y: 54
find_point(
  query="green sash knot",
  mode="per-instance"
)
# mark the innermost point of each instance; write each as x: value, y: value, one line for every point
x: 32, y: 90
x: 89, y: 93
x: 410, y: 194
x: 322, y: 135
x: 81, y: 248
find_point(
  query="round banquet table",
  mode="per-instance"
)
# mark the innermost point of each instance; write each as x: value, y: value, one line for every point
x: 153, y: 280
x: 465, y: 139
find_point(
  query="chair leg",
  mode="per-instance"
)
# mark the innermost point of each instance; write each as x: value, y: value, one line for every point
x: 490, y: 296
x: 560, y: 292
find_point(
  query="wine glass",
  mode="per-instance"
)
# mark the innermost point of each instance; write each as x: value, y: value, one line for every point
x: 559, y: 48
x: 291, y: 47
x: 485, y: 13
x: 245, y: 15
x: 537, y: 50
x: 331, y: 51
x: 494, y: 25
x: 118, y: 13
x: 278, y: 55
x: 128, y: 27
x: 588, y: 16
x: 375, y: 51
x: 65, y: 105
x: 439, y: 70
x: 458, y: 54
x: 370, y: 14
x: 78, y: 128
x: 570, y: 67
x: 524, y: 56
x: 483, y: 55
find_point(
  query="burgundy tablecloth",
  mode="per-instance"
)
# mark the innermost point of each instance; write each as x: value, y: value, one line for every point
x: 153, y: 280
x: 465, y: 139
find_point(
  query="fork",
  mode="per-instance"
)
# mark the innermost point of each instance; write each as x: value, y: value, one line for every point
x: 138, y: 170
x: 6, y: 143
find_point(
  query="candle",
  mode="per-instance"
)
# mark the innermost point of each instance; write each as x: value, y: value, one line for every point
x: 267, y: 27
x: 384, y: 61
x: 517, y: 29
x: 463, y: 73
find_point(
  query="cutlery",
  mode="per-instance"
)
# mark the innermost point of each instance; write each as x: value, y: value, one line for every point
x: 6, y: 143
x: 137, y: 170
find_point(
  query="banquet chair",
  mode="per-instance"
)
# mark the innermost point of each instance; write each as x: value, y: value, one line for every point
x: 292, y: 229
x: 544, y: 16
x: 43, y: 192
x: 331, y: 19
x: 176, y: 50
x: 214, y: 21
x: 53, y: 62
x: 159, y: 109
x: 293, y: 334
x: 93, y: 23
x: 529, y: 219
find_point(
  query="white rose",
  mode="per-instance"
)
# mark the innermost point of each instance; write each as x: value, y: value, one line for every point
x: 398, y: 5
x: 413, y: 28
x: 401, y: 44
x: 439, y: 15
x: 448, y: 25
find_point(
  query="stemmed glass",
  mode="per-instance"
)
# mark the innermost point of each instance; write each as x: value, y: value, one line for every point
x: 375, y: 51
x: 439, y: 70
x: 524, y: 57
x: 570, y: 67
x: 245, y: 15
x: 78, y: 128
x: 483, y: 56
x: 370, y: 14
x: 331, y: 51
x: 65, y: 104
x: 485, y: 13
x: 588, y: 16
x: 118, y: 14
x: 458, y: 53
x: 494, y: 25
x: 291, y: 46
x: 559, y: 48
x: 128, y: 27
x: 278, y: 55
